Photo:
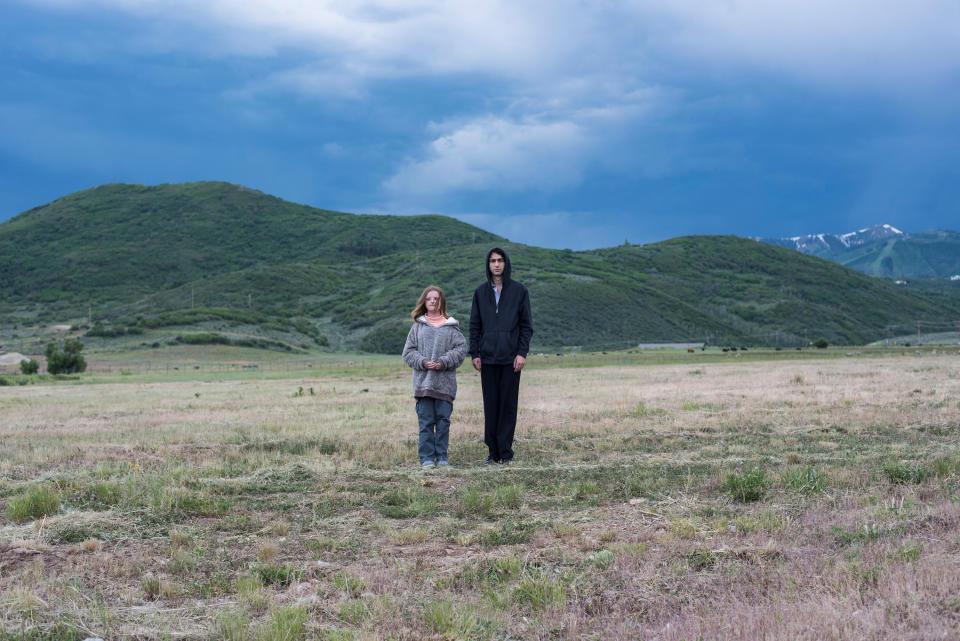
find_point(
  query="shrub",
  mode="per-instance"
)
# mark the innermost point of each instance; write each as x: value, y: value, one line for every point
x: 388, y: 339
x: 205, y: 338
x: 746, y: 486
x: 821, y: 343
x: 68, y: 361
x: 29, y: 366
x: 37, y: 502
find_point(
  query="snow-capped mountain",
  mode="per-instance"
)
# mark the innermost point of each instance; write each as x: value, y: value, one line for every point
x: 885, y: 251
x: 828, y: 244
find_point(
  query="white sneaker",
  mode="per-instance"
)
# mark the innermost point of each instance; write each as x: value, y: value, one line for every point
x: 426, y: 465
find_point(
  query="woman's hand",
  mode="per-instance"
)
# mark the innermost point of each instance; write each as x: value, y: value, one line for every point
x: 437, y: 365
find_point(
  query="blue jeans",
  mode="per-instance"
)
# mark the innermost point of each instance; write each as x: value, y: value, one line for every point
x: 433, y: 415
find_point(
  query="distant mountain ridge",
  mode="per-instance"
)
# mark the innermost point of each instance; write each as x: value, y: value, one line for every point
x: 152, y: 263
x: 884, y: 251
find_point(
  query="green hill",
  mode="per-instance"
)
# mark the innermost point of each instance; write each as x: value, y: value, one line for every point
x: 154, y: 263
x: 931, y: 254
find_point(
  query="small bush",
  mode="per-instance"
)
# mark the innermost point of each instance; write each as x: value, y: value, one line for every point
x: 29, y: 367
x: 68, y: 361
x: 601, y: 559
x: 39, y: 501
x: 746, y: 486
x: 821, y: 343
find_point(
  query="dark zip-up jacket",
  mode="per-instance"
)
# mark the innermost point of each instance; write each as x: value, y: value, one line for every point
x: 499, y: 333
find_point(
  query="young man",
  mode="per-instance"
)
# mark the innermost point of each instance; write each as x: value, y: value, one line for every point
x: 500, y: 331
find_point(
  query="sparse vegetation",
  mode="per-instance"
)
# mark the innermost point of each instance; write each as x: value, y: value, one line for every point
x: 301, y: 516
x: 37, y: 502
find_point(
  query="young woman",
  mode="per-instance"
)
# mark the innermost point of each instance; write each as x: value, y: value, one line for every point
x: 435, y: 348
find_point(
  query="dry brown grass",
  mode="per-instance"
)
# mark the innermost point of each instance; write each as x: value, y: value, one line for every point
x: 192, y: 508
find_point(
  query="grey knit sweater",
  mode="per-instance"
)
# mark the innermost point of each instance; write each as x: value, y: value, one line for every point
x: 444, y: 344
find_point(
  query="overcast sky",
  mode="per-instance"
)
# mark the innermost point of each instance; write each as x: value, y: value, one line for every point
x: 558, y: 123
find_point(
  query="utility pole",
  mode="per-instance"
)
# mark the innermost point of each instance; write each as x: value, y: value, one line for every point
x: 191, y: 297
x: 249, y: 301
x: 918, y: 332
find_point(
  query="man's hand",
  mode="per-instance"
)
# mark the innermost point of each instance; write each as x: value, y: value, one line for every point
x: 437, y: 365
x: 518, y: 363
x: 476, y: 364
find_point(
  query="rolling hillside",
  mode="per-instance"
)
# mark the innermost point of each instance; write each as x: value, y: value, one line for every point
x: 154, y: 262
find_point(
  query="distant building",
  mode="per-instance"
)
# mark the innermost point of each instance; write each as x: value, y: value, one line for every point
x: 899, y: 282
x: 955, y: 277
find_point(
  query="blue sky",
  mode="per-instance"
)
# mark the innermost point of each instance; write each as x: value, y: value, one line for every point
x: 557, y: 123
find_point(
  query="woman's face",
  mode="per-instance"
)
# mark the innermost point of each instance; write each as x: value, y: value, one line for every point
x: 433, y: 301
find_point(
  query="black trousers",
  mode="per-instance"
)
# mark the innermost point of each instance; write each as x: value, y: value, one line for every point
x: 501, y: 388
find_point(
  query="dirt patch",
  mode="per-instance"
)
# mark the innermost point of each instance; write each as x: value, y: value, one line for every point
x: 13, y: 555
x: 13, y: 358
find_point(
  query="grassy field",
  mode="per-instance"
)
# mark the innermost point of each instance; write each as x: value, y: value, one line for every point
x: 811, y: 495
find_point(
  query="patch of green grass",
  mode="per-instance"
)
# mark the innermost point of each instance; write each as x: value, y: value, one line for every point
x: 806, y: 479
x: 946, y: 466
x: 69, y: 533
x: 902, y: 473
x: 454, y: 622
x: 284, y: 624
x: 349, y: 583
x: 35, y: 503
x: 276, y: 574
x: 509, y: 496
x: 233, y: 625
x: 401, y: 503
x: 539, y: 591
x: 509, y: 532
x: 701, y: 559
x: 56, y: 632
x: 909, y: 552
x: 866, y: 533
x: 746, y: 486
x: 474, y: 500
x: 96, y: 496
x: 584, y: 490
x: 640, y: 410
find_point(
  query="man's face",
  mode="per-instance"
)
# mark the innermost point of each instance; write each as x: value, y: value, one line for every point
x: 496, y: 264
